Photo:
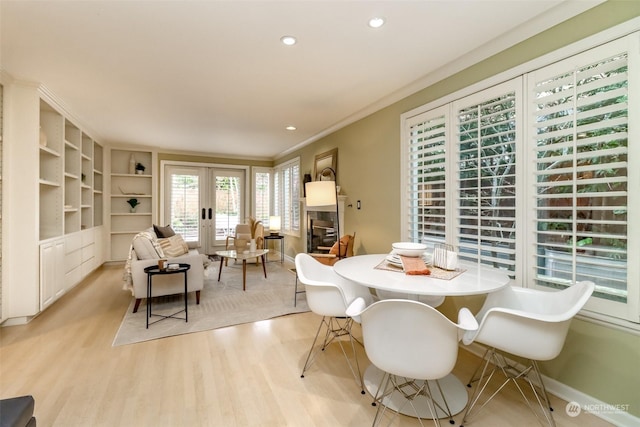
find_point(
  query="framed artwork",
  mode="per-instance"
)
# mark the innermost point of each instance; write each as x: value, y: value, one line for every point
x: 328, y: 159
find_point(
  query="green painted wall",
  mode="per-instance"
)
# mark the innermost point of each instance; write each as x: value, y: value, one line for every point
x: 597, y: 360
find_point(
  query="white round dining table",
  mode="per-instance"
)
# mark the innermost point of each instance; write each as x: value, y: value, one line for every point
x: 472, y: 280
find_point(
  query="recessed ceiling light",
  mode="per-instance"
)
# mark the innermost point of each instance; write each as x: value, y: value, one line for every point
x: 290, y: 128
x: 376, y: 22
x: 288, y: 40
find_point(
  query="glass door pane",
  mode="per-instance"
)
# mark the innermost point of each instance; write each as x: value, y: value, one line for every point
x: 183, y: 209
x: 229, y: 202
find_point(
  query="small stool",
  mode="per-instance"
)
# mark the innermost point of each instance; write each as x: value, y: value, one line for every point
x: 295, y: 295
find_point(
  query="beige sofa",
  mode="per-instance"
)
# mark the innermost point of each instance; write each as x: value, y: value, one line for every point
x: 146, y: 251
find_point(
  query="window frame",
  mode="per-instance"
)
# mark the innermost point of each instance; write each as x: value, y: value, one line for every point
x: 287, y: 196
x: 601, y: 308
x: 625, y: 315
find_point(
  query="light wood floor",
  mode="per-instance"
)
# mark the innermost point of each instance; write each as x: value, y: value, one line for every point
x: 248, y: 375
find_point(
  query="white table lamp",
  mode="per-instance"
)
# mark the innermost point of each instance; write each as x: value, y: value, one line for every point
x: 274, y: 225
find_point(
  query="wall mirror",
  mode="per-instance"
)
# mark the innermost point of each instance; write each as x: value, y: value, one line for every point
x: 328, y: 159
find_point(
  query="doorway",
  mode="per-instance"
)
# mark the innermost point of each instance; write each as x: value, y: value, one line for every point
x: 204, y: 203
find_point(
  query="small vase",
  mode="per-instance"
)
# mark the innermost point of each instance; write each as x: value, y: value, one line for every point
x: 132, y: 210
x: 132, y: 165
x: 252, y: 245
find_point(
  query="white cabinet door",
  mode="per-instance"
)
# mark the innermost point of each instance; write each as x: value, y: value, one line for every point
x: 51, y: 272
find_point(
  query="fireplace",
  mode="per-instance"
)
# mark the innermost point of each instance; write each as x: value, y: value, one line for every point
x: 320, y: 226
x: 321, y: 231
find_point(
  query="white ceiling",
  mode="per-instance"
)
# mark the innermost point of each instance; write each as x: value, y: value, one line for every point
x: 212, y: 76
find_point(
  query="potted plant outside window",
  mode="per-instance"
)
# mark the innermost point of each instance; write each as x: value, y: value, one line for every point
x: 133, y: 203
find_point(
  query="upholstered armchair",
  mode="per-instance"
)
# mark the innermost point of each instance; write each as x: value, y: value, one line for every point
x: 347, y: 243
x: 241, y: 240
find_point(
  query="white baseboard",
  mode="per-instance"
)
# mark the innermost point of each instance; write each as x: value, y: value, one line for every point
x: 15, y: 321
x: 616, y: 414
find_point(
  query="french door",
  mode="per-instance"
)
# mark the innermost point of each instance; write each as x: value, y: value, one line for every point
x: 204, y: 204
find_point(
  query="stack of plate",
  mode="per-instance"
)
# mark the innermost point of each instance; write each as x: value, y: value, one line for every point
x: 409, y: 249
x: 394, y: 259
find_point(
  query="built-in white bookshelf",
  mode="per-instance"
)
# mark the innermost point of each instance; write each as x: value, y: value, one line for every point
x: 98, y: 184
x: 51, y: 137
x: 70, y: 203
x: 129, y: 183
x: 70, y: 193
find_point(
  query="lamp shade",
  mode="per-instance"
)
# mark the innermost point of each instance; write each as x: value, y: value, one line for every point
x: 321, y: 193
x: 274, y: 224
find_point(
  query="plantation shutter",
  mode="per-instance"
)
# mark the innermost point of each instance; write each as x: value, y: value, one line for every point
x: 540, y: 176
x: 286, y: 181
x: 485, y: 216
x: 287, y: 195
x: 295, y: 198
x: 277, y: 193
x: 262, y: 192
x: 185, y: 204
x: 425, y: 178
x: 581, y: 145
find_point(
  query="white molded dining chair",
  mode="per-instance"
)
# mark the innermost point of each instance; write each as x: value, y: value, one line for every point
x: 329, y: 295
x: 531, y: 324
x: 412, y: 343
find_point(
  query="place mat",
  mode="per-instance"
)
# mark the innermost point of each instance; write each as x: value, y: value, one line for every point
x: 436, y: 273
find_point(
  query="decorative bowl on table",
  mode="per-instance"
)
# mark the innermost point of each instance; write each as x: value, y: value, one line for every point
x: 409, y: 248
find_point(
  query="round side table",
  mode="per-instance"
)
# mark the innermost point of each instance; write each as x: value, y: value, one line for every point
x: 277, y: 237
x: 154, y: 270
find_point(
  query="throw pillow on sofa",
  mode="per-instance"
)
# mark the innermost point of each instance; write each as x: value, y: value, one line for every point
x: 146, y: 246
x: 163, y: 232
x: 174, y: 246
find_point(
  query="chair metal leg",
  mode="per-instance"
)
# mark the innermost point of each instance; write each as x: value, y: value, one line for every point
x: 296, y: 291
x: 529, y: 374
x: 410, y: 390
x: 379, y: 391
x: 437, y: 406
x: 306, y: 363
x: 334, y: 331
x: 483, y: 380
x: 533, y: 376
x: 481, y: 365
x: 357, y: 374
x: 380, y: 394
x: 377, y: 399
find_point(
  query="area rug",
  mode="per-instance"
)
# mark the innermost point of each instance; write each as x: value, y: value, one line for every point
x: 222, y: 303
